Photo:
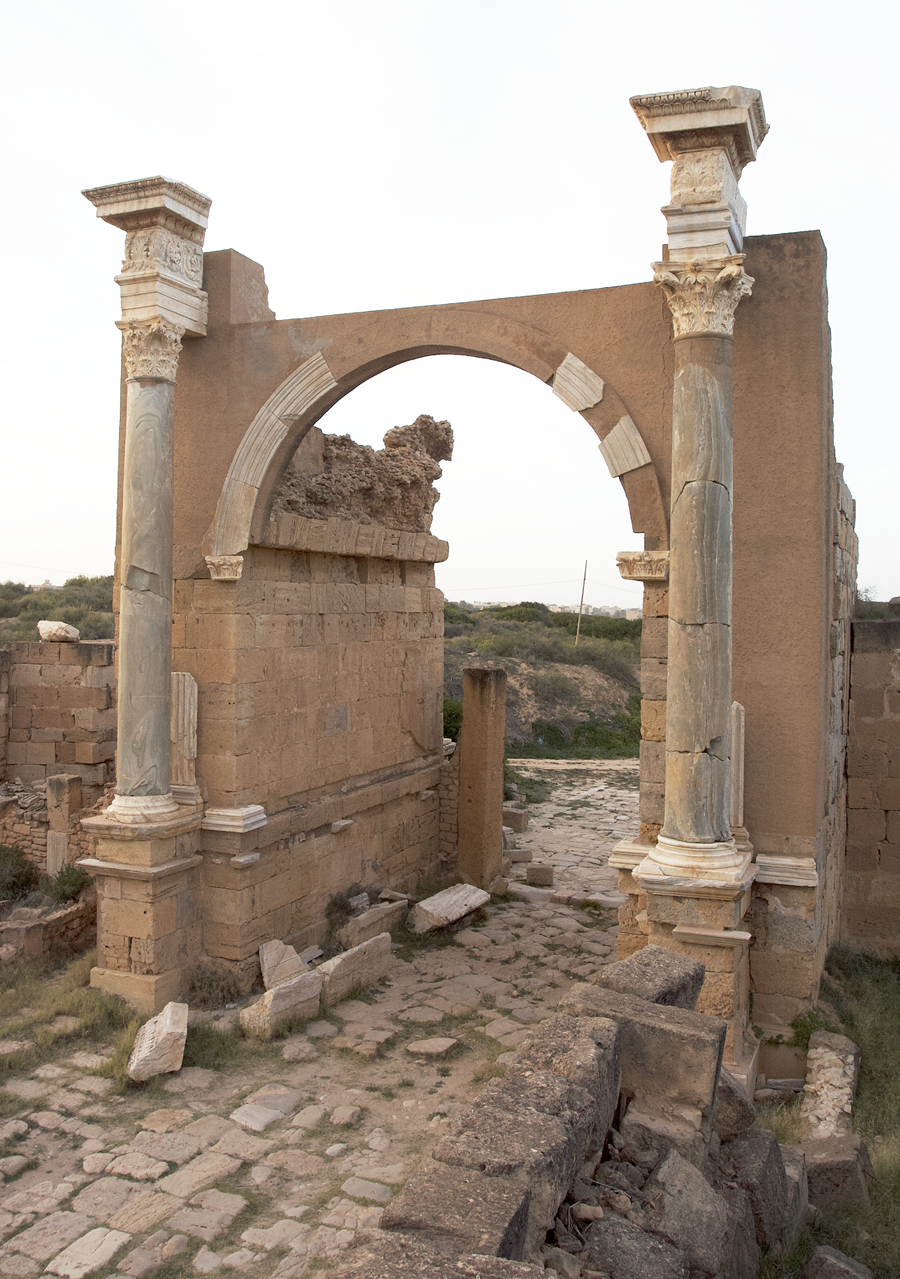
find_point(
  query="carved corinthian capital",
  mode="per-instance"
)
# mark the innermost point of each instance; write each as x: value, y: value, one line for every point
x: 703, y: 295
x: 152, y: 348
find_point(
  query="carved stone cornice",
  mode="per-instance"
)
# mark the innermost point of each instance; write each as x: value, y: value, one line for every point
x: 151, y: 348
x: 731, y: 119
x: 703, y: 295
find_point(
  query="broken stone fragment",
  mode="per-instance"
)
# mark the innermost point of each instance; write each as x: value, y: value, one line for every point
x: 297, y: 998
x: 58, y: 633
x: 362, y: 966
x: 447, y: 907
x: 657, y: 975
x: 828, y: 1263
x: 279, y: 963
x: 159, y: 1044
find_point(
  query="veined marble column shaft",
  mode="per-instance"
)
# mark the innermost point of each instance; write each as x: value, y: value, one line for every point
x: 698, y: 702
x: 145, y: 606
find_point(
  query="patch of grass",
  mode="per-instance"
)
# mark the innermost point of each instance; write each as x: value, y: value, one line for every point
x: 116, y: 1068
x: 213, y: 988
x: 415, y: 943
x: 210, y: 1047
x: 784, y: 1120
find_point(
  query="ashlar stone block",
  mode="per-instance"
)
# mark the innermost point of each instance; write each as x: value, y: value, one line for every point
x: 159, y: 1044
x: 298, y: 998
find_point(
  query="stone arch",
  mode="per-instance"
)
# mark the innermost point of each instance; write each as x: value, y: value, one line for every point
x: 318, y: 383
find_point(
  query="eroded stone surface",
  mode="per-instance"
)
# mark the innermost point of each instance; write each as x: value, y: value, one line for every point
x: 159, y: 1044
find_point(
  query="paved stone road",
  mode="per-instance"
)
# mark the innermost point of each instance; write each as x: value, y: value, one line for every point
x: 271, y: 1164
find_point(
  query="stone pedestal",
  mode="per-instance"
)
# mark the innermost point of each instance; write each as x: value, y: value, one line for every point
x: 481, y: 776
x: 149, y: 931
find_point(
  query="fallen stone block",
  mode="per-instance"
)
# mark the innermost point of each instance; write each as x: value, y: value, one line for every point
x: 159, y: 1044
x: 532, y: 1129
x: 584, y: 1050
x: 389, y: 917
x: 686, y: 1212
x: 735, y: 1112
x: 515, y: 818
x: 671, y: 1056
x: 355, y: 969
x: 838, y: 1170
x: 461, y: 1210
x: 509, y: 839
x: 828, y: 1263
x: 517, y: 855
x: 754, y: 1161
x: 279, y: 963
x: 298, y: 998
x: 58, y: 633
x: 619, y: 1248
x: 447, y: 907
x: 539, y: 875
x: 744, y: 1253
x: 380, y: 1254
x: 657, y: 975
x: 797, y: 1202
x: 646, y: 1132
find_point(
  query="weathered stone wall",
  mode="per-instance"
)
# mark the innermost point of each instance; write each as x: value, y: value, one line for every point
x: 61, y: 712
x: 48, y: 832
x: 797, y: 899
x: 871, y: 908
x: 320, y: 700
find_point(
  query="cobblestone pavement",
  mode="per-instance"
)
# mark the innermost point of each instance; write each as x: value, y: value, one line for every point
x: 271, y: 1163
x: 593, y: 804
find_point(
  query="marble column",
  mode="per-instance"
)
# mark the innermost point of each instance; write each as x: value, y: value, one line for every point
x: 695, y: 880
x: 147, y: 863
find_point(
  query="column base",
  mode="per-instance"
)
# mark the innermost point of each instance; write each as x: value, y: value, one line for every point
x: 721, y: 862
x: 138, y: 810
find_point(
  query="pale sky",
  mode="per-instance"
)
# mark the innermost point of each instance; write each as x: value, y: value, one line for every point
x: 373, y: 155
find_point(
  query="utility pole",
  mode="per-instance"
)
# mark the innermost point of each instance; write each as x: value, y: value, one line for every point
x: 581, y: 605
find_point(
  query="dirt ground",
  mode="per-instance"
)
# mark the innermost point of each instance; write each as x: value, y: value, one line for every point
x: 270, y: 1163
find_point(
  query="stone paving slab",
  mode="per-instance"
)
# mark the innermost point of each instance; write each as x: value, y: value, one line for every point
x: 97, y: 1152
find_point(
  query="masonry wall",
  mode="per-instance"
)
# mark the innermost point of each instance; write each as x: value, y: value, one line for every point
x: 60, y: 712
x: 870, y: 918
x: 320, y: 698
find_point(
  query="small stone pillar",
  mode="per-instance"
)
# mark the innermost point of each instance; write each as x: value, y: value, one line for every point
x: 696, y: 878
x: 146, y: 842
x: 183, y: 739
x: 63, y: 802
x: 481, y: 744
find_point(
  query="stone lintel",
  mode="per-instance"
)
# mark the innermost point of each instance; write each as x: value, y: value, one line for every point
x: 104, y: 827
x: 349, y: 538
x: 800, y: 871
x: 691, y: 119
x: 124, y: 870
x: 628, y: 854
x: 700, y: 935
x: 235, y: 820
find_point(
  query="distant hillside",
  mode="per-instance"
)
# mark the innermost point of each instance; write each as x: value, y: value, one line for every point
x: 85, y: 602
x: 562, y: 700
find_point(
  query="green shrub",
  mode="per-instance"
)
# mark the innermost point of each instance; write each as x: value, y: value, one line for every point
x: 452, y: 717
x: 68, y: 883
x: 18, y: 878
